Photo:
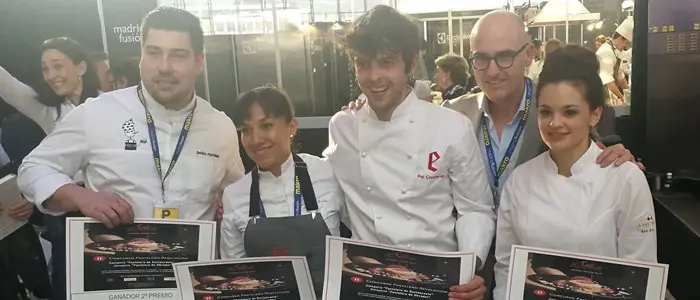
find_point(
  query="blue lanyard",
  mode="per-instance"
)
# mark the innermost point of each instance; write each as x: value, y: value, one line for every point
x: 497, y: 171
x: 154, y: 139
x: 297, y: 199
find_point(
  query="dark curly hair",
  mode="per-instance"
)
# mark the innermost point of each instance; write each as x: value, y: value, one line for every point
x: 576, y: 65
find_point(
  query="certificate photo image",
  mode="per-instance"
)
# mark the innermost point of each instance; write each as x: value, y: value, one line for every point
x: 358, y: 270
x: 543, y: 275
x: 258, y: 280
x: 136, y: 256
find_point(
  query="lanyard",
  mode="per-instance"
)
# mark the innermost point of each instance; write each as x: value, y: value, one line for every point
x: 497, y: 171
x: 154, y: 139
x: 297, y: 199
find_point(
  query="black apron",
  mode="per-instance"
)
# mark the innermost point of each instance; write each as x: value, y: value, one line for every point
x: 303, y: 235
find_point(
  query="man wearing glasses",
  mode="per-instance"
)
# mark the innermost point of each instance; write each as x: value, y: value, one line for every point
x: 505, y: 112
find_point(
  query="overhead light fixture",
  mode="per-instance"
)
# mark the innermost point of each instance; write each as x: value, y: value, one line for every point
x: 627, y: 5
x: 599, y: 25
x: 590, y: 27
x: 337, y: 26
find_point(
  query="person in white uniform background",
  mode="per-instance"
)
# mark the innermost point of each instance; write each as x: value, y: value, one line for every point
x: 69, y: 79
x: 280, y: 206
x: 562, y: 199
x: 405, y: 164
x: 608, y: 57
x: 118, y: 138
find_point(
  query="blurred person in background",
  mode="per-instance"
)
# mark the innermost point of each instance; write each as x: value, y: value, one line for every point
x: 599, y: 41
x: 100, y: 61
x: 69, y: 80
x: 451, y: 76
x: 609, y: 58
x: 536, y: 66
x: 126, y: 74
x: 539, y: 55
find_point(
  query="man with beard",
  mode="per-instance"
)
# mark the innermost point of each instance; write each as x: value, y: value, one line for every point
x: 505, y: 113
x: 411, y: 170
x: 144, y: 150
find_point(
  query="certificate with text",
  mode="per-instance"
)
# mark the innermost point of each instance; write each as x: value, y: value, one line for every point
x: 360, y: 270
x: 541, y: 274
x: 265, y: 278
x: 132, y: 261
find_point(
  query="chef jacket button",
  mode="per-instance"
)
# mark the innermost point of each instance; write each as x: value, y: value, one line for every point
x: 368, y: 188
x: 364, y: 120
x: 379, y: 217
x: 410, y: 121
x: 410, y: 156
x: 364, y: 154
x: 408, y: 218
x: 403, y: 192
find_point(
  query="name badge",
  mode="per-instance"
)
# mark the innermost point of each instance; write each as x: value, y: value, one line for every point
x: 168, y: 211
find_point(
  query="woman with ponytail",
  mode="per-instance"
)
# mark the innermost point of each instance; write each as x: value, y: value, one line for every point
x: 562, y: 199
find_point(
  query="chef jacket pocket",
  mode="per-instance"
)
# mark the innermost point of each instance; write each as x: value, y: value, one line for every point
x: 119, y: 167
x: 192, y: 179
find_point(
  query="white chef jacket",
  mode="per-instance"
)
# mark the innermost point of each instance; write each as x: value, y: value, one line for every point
x: 599, y: 211
x: 23, y: 98
x: 277, y: 195
x: 403, y: 178
x: 92, y: 138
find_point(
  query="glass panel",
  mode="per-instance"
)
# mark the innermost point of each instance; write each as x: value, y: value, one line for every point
x: 456, y: 36
x: 438, y: 35
x: 467, y: 25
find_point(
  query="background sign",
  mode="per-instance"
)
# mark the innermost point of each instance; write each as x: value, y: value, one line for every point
x: 121, y: 23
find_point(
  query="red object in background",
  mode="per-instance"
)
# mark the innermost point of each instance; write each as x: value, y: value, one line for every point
x: 98, y: 258
x: 540, y: 293
x: 356, y: 279
x: 208, y: 298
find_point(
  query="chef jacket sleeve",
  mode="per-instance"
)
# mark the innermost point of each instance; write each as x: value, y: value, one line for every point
x: 231, y: 243
x: 636, y: 221
x: 607, y: 62
x: 472, y: 196
x: 506, y: 237
x: 23, y: 98
x: 329, y: 197
x: 55, y: 161
x: 235, y: 169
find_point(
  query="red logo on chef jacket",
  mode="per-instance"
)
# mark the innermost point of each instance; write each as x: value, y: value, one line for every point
x: 432, y: 159
x: 279, y: 251
x: 540, y: 293
x: 356, y: 279
x: 99, y: 258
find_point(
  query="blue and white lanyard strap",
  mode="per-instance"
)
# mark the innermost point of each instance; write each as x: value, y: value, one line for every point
x: 297, y: 199
x: 154, y: 139
x: 497, y: 170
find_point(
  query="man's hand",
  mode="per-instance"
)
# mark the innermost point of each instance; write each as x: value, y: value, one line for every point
x: 21, y: 211
x: 354, y: 105
x: 473, y: 290
x: 615, y: 154
x: 108, y: 208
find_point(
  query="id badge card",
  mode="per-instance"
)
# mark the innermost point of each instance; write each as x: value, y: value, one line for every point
x: 166, y: 210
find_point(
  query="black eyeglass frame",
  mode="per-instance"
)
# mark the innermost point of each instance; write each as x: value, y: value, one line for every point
x: 503, y: 55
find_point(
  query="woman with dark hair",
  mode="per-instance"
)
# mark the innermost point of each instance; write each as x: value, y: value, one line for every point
x: 69, y: 79
x: 289, y: 202
x: 451, y: 76
x: 562, y: 199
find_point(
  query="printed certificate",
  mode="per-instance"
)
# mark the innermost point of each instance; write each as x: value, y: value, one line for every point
x: 358, y: 270
x: 268, y: 278
x: 132, y: 261
x: 554, y: 275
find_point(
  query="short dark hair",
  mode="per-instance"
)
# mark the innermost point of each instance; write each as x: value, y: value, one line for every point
x: 129, y: 69
x: 577, y: 65
x: 272, y: 100
x: 77, y: 54
x: 455, y: 65
x: 552, y: 45
x: 537, y: 43
x: 383, y: 29
x: 174, y: 19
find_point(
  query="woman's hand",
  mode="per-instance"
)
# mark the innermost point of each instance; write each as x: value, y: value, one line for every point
x: 473, y: 290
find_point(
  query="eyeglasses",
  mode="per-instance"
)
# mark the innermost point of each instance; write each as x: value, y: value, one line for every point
x: 504, y: 60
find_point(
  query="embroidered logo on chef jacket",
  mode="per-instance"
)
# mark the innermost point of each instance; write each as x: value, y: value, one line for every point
x: 648, y: 225
x: 130, y: 132
x: 433, y: 158
x: 207, y: 154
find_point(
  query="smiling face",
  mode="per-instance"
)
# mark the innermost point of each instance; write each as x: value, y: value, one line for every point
x: 382, y: 79
x: 564, y: 117
x: 61, y: 73
x: 267, y: 139
x: 442, y: 79
x: 169, y: 66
